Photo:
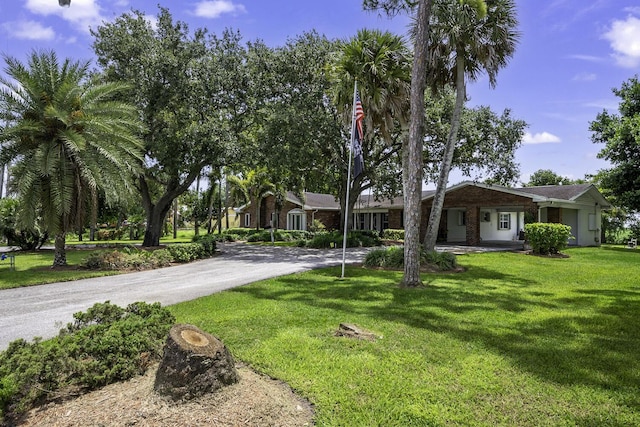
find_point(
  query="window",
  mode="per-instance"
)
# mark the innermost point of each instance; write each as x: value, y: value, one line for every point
x: 504, y: 221
x: 247, y: 220
x: 462, y: 218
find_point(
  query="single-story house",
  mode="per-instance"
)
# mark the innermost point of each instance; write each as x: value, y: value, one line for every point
x: 472, y: 212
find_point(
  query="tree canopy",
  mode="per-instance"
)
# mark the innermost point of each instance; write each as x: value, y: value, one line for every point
x: 547, y: 177
x: 620, y: 134
x: 190, y: 90
x: 69, y: 138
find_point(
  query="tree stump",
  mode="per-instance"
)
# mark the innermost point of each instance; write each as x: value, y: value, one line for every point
x: 194, y: 363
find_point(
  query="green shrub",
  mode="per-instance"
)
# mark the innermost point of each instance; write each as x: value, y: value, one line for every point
x: 324, y: 240
x: 103, y: 345
x: 375, y: 258
x: 393, y: 257
x: 390, y: 257
x: 443, y: 260
x: 393, y: 234
x: 317, y: 226
x: 186, y: 252
x: 547, y: 238
x: 240, y: 233
x: 355, y: 238
x: 208, y: 242
x: 107, y: 260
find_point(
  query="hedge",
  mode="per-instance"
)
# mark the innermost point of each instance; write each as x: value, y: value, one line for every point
x: 547, y: 238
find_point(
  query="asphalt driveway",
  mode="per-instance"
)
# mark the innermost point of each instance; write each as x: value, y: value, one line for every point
x: 42, y: 310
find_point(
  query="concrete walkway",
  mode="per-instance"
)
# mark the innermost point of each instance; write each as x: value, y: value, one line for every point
x: 42, y: 310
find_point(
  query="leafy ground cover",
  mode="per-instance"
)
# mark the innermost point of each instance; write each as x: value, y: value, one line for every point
x: 513, y: 340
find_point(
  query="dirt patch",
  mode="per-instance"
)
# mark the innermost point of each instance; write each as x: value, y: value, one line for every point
x: 256, y: 400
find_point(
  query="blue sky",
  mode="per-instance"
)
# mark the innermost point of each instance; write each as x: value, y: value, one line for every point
x: 571, y: 54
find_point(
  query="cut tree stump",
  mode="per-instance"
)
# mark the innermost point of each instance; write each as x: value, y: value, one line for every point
x: 194, y: 363
x: 350, y: 330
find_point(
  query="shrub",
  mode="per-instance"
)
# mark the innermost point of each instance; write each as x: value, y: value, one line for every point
x: 355, y: 238
x: 393, y: 234
x: 393, y: 257
x: 324, y: 240
x: 317, y: 226
x: 208, y: 242
x: 186, y: 252
x: 104, y: 345
x: 375, y: 258
x: 443, y: 260
x: 547, y: 238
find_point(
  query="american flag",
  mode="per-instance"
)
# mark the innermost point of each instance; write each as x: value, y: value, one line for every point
x: 358, y: 114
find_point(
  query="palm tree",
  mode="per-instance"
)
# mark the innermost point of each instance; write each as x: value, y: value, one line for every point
x: 380, y: 63
x: 68, y: 138
x: 466, y: 39
x: 251, y: 189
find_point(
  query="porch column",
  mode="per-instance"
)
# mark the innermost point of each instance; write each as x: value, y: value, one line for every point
x: 473, y: 225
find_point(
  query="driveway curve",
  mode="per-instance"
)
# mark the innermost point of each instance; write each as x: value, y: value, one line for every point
x: 42, y: 310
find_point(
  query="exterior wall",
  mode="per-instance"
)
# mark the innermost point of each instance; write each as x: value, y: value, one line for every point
x: 489, y: 229
x: 396, y: 220
x: 330, y: 219
x: 474, y: 200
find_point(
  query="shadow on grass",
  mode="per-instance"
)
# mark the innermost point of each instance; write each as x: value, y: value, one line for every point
x: 589, y: 340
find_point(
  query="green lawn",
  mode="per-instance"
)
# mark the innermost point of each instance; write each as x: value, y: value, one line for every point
x: 514, y: 340
x: 34, y: 268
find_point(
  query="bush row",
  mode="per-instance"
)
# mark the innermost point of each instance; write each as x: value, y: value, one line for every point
x: 393, y: 257
x: 130, y: 257
x: 393, y: 234
x: 334, y: 239
x: 106, y: 344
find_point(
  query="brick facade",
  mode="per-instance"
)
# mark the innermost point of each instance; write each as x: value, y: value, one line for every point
x: 330, y: 219
x: 473, y: 199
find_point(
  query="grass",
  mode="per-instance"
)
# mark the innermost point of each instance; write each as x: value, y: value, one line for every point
x: 514, y: 340
x: 33, y: 268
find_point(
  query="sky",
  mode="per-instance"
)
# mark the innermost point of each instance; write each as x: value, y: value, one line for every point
x: 570, y: 55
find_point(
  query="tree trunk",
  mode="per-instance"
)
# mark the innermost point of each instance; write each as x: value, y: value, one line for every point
x: 443, y: 177
x: 59, y: 254
x: 196, y: 222
x: 94, y: 215
x: 2, y: 168
x: 412, y: 154
x: 194, y: 363
x: 155, y: 220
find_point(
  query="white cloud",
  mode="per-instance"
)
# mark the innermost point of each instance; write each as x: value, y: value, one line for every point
x: 28, y: 30
x: 540, y: 138
x: 588, y: 58
x: 624, y: 38
x: 82, y: 14
x: 215, y: 8
x: 584, y: 77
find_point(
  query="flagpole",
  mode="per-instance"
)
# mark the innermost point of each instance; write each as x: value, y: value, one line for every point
x: 346, y: 202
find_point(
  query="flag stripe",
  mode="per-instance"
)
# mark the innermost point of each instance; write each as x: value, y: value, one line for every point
x: 358, y: 114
